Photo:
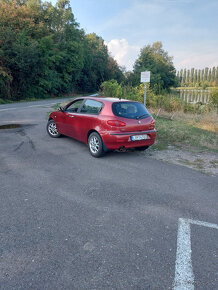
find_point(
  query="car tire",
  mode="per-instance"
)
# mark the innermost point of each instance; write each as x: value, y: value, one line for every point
x: 142, y: 148
x: 95, y: 144
x: 52, y: 129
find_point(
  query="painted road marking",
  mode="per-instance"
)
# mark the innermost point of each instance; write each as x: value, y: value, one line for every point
x: 184, y: 276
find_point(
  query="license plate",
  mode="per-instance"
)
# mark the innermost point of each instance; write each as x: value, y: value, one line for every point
x: 139, y: 137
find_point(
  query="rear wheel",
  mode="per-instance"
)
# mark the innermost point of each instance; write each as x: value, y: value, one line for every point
x: 95, y: 145
x: 52, y: 129
x: 142, y: 148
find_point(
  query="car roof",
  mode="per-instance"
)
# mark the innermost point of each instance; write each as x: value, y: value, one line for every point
x: 105, y: 99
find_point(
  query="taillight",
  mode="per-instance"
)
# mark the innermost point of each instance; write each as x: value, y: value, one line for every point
x: 151, y: 126
x: 116, y: 123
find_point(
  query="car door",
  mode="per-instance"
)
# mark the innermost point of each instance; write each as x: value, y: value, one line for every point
x: 87, y: 118
x: 69, y: 118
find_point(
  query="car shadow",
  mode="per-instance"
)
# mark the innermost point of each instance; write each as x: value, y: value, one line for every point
x: 109, y: 154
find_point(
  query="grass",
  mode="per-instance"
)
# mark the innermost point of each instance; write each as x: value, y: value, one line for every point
x: 2, y: 102
x: 187, y: 131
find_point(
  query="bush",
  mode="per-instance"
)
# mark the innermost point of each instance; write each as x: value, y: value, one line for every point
x: 214, y: 98
x: 2, y: 101
x: 197, y: 108
x: 189, y: 108
x: 112, y: 89
x: 137, y: 94
x: 169, y: 103
x: 205, y: 85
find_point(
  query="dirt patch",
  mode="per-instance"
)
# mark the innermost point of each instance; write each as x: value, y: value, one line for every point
x: 205, y: 162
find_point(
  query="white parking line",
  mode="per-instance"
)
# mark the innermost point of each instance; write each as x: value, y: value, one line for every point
x: 184, y: 276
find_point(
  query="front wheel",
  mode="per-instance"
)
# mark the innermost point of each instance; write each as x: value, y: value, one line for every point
x: 95, y: 145
x: 142, y: 148
x: 52, y: 129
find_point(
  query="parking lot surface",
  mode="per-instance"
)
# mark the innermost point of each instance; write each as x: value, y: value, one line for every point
x: 70, y: 221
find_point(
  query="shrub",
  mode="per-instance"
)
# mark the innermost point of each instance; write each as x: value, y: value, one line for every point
x: 111, y: 89
x: 2, y: 101
x: 189, y: 108
x: 214, y: 98
x: 205, y: 85
x: 169, y: 103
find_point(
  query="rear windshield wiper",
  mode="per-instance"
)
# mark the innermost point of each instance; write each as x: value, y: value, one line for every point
x: 138, y: 117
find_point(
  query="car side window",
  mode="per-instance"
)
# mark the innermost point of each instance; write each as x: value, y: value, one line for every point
x: 73, y: 108
x: 91, y: 107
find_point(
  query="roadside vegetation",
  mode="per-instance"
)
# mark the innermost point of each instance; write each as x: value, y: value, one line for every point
x: 187, y: 131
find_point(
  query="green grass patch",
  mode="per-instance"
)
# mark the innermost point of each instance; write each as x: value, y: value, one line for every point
x: 182, y: 134
x: 2, y: 102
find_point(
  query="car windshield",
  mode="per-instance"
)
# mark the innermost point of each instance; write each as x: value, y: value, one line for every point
x: 130, y: 110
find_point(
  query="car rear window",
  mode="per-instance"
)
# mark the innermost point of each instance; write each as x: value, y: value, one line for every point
x: 130, y: 110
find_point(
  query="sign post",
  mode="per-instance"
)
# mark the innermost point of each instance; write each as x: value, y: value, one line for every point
x: 145, y: 78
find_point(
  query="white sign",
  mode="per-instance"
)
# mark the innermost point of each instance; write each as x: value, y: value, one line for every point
x: 145, y: 77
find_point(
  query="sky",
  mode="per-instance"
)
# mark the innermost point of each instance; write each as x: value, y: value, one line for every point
x: 188, y: 29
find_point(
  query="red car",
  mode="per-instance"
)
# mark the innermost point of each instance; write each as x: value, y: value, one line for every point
x: 104, y: 124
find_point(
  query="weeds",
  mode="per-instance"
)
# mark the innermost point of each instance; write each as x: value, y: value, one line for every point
x: 185, y: 132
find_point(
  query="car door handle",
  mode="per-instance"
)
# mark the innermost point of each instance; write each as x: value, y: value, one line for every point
x: 71, y: 116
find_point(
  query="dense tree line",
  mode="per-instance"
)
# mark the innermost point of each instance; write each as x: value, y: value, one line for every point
x: 198, y: 77
x: 44, y: 52
x: 155, y: 59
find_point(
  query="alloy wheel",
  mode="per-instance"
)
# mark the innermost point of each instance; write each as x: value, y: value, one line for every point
x: 52, y: 129
x: 94, y: 144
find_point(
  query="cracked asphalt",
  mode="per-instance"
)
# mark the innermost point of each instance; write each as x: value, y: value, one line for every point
x: 70, y: 221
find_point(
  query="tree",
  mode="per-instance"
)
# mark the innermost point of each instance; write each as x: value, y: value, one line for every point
x: 99, y: 66
x: 114, y: 71
x: 209, y: 75
x: 216, y: 78
x: 192, y: 76
x: 213, y: 76
x: 154, y: 59
x: 195, y: 76
x: 184, y: 77
x: 199, y: 76
x: 43, y: 51
x: 206, y: 74
x: 188, y: 77
x: 202, y: 76
x: 181, y: 76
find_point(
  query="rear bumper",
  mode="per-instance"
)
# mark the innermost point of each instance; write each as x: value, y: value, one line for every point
x: 116, y: 140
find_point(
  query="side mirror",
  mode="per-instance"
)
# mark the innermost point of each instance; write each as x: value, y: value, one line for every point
x: 61, y: 109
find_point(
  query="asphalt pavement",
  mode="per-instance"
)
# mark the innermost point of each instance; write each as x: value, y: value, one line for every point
x: 71, y: 221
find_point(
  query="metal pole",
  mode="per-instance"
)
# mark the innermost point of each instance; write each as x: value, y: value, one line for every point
x: 145, y: 95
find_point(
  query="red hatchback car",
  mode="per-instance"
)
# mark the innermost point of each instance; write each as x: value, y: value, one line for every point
x: 104, y: 124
